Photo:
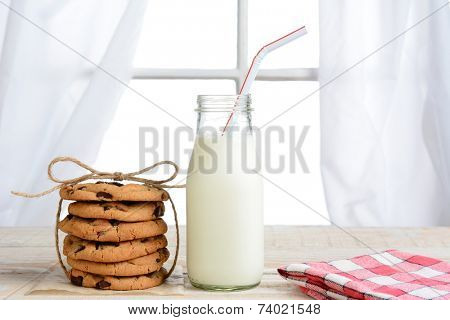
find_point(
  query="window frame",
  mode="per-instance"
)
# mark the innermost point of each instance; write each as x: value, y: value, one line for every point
x: 236, y: 74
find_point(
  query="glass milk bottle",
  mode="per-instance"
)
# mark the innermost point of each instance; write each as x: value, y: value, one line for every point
x: 225, y: 229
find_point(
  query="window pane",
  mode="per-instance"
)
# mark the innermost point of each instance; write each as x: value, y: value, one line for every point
x: 269, y: 100
x: 269, y: 20
x: 188, y: 34
x: 178, y: 97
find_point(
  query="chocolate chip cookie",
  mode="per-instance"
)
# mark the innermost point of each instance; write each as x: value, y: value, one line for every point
x: 88, y: 280
x: 111, y: 230
x: 112, y: 191
x: 80, y: 249
x: 134, y: 267
x: 122, y: 211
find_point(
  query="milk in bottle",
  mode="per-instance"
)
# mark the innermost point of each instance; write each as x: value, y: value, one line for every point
x: 225, y: 230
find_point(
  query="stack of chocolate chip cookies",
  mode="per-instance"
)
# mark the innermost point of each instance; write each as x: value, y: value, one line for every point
x: 115, y: 235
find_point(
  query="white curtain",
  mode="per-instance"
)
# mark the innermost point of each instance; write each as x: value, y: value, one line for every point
x: 52, y: 101
x: 386, y: 122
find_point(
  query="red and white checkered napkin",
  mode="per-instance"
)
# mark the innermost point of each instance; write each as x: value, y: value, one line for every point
x: 388, y: 275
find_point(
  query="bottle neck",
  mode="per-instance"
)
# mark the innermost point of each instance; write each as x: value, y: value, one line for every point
x: 217, y: 112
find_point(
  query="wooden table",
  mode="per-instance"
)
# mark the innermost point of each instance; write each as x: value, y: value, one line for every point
x: 28, y: 267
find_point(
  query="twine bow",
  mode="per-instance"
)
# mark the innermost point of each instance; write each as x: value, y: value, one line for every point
x: 116, y: 176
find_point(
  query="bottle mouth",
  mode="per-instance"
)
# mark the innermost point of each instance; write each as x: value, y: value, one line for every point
x: 223, y: 103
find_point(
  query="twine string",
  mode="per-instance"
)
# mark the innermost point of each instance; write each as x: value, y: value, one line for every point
x: 116, y: 176
x: 58, y: 252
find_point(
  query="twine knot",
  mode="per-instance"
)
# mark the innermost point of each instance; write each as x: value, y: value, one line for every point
x: 119, y: 176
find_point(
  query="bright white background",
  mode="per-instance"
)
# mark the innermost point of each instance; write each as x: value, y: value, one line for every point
x: 202, y: 34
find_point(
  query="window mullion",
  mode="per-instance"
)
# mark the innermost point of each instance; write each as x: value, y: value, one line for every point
x: 242, y: 41
x: 284, y: 74
x: 180, y: 73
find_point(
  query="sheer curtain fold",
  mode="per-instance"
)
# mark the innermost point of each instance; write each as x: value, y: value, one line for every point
x: 53, y: 101
x: 385, y: 123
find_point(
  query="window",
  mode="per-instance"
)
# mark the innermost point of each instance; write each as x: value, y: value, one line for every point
x: 204, y: 47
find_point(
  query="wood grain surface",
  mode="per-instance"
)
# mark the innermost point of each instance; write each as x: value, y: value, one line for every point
x: 29, y: 269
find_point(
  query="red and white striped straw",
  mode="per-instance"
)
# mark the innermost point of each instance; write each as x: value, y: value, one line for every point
x: 254, y: 67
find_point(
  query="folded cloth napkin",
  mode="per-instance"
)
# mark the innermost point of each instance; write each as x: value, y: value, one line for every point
x: 391, y: 274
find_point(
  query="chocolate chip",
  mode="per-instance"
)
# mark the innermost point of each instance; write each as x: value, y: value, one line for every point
x: 111, y: 244
x: 104, y: 195
x: 106, y: 206
x: 112, y: 183
x: 114, y: 223
x: 104, y: 244
x: 116, y: 184
x: 78, y: 281
x: 102, y: 284
x: 158, y: 260
x: 80, y: 248
x: 158, y: 212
